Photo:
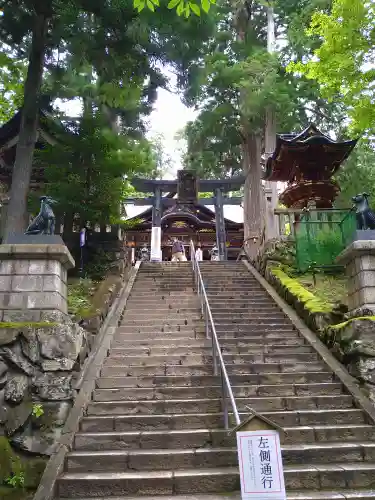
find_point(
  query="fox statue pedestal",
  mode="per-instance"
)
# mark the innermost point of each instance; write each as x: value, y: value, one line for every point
x: 33, y: 277
x: 359, y: 262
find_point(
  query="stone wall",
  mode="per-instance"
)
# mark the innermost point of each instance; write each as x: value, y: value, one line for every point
x: 38, y: 366
x: 353, y: 343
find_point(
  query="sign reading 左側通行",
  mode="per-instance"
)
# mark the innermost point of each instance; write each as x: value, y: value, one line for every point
x: 261, y: 468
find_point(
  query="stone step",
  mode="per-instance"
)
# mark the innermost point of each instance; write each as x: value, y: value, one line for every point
x: 318, y: 441
x: 141, y: 451
x: 149, y: 330
x: 160, y: 289
x: 234, y: 309
x: 142, y: 294
x: 260, y: 296
x: 188, y: 349
x: 261, y: 404
x: 248, y: 315
x: 142, y: 371
x: 150, y: 336
x: 240, y: 342
x: 109, y: 423
x: 163, y: 309
x: 244, y: 391
x: 213, y: 380
x: 346, y: 494
x: 255, y: 291
x: 208, y: 480
x: 141, y: 320
x: 263, y: 337
x: 206, y: 359
x: 134, y: 303
x: 241, y: 302
x: 137, y: 317
x: 252, y: 324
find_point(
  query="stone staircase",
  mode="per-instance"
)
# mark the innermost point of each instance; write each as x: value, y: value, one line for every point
x: 154, y: 426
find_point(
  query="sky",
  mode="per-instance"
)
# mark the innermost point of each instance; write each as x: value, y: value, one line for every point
x: 168, y: 118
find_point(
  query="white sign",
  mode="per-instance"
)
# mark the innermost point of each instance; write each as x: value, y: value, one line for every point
x: 261, y: 468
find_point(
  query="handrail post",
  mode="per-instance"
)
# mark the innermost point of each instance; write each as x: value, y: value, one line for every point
x: 214, y: 358
x: 206, y: 323
x: 224, y: 401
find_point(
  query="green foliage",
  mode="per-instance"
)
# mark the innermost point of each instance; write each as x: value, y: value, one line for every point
x: 30, y: 324
x: 239, y: 81
x: 98, y: 265
x: 79, y: 297
x: 86, y: 170
x: 12, y: 74
x: 37, y: 410
x: 16, y: 480
x: 322, y: 237
x: 18, y: 474
x: 342, y: 63
x: 308, y: 299
x: 182, y: 8
x: 329, y: 289
x: 357, y: 175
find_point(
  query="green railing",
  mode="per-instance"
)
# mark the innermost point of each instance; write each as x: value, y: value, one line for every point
x: 321, y: 236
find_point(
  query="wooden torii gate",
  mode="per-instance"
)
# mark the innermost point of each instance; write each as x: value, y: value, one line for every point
x: 187, y: 186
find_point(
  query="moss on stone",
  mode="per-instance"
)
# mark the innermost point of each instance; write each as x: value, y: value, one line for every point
x: 312, y: 303
x: 30, y: 324
x: 7, y: 493
x: 345, y: 323
x: 12, y: 464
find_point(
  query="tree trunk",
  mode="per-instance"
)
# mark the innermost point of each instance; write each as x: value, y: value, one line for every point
x: 28, y: 130
x: 272, y: 229
x: 272, y: 226
x: 253, y: 196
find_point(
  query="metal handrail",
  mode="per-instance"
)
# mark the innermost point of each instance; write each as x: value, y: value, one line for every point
x: 218, y: 360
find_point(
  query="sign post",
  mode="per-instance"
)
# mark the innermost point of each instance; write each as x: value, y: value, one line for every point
x: 259, y: 458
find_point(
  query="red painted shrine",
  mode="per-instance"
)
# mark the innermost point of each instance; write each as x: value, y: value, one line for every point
x: 307, y: 162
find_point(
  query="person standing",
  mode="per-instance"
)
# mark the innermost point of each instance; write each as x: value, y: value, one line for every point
x: 214, y: 253
x: 199, y: 253
x: 178, y: 251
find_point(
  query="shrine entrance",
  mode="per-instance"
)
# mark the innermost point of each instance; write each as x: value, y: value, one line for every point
x: 186, y: 217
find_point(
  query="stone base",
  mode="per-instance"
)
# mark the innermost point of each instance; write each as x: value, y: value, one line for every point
x: 35, y: 239
x: 33, y: 281
x: 364, y: 234
x: 359, y: 262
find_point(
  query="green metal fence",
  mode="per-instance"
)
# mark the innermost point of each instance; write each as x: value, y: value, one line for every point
x: 321, y: 235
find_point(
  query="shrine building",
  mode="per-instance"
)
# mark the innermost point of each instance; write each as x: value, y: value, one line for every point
x: 180, y: 213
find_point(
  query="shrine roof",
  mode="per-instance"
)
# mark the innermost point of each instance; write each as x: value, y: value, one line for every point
x: 205, y: 185
x: 308, y: 151
x: 199, y: 214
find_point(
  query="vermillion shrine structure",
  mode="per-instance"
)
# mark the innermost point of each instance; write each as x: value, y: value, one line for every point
x: 307, y: 163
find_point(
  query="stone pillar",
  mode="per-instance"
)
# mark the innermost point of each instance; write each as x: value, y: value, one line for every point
x: 271, y: 220
x: 3, y: 216
x: 156, y: 227
x: 220, y: 225
x: 33, y: 282
x: 359, y: 262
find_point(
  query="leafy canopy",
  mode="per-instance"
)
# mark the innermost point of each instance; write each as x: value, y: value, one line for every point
x: 343, y: 61
x: 183, y: 8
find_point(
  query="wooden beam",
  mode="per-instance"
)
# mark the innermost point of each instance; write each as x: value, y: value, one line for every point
x: 169, y: 202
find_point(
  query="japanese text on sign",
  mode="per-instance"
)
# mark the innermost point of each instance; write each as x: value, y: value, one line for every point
x: 261, y: 469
